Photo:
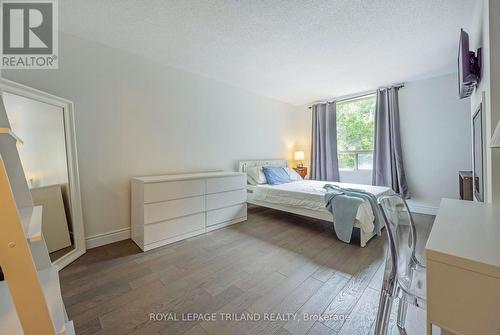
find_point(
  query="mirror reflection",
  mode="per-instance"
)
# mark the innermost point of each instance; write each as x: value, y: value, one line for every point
x: 40, y: 126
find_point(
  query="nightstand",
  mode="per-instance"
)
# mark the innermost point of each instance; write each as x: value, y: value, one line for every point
x: 302, y: 171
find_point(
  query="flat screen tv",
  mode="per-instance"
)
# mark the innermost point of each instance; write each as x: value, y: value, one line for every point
x: 469, y: 67
x: 477, y: 147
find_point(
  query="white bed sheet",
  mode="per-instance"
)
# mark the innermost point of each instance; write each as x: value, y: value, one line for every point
x: 309, y: 194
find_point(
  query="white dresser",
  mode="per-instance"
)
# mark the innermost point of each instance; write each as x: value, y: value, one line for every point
x: 463, y: 268
x: 170, y: 208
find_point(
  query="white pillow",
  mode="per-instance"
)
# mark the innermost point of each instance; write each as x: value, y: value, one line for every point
x: 294, y: 176
x: 250, y: 180
x: 255, y: 173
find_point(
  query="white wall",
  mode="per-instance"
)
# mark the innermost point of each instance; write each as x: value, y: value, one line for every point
x: 135, y: 117
x: 41, y: 127
x: 494, y: 21
x: 479, y: 38
x: 436, y: 138
x: 485, y: 33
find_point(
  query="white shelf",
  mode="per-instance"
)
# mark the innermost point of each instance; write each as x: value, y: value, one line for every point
x: 31, y: 218
x: 69, y: 328
x: 18, y: 200
x: 49, y: 280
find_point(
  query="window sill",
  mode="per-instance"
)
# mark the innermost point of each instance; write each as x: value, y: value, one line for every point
x: 352, y: 170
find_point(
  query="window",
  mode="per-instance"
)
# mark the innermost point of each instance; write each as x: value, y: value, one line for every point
x: 356, y: 132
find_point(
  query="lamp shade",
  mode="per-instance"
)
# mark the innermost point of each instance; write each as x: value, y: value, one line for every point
x: 299, y: 155
x: 495, y: 139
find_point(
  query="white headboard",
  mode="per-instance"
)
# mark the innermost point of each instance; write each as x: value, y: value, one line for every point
x: 243, y: 165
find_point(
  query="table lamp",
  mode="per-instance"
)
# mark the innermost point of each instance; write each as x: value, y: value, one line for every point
x: 299, y: 156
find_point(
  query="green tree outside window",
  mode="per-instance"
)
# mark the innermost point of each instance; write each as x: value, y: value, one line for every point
x: 355, y: 130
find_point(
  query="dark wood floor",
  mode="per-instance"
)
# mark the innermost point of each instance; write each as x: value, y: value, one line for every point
x: 275, y: 266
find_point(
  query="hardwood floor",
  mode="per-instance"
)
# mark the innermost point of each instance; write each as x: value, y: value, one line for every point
x: 290, y: 274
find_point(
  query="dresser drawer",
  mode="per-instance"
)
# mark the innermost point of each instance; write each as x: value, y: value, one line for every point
x: 475, y: 312
x: 224, y: 184
x: 226, y: 214
x: 166, y: 229
x: 166, y: 210
x: 155, y: 192
x: 225, y: 199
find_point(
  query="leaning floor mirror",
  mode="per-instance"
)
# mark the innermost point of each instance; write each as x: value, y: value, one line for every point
x: 44, y: 125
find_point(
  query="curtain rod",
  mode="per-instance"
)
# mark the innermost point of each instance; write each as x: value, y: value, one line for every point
x: 355, y: 95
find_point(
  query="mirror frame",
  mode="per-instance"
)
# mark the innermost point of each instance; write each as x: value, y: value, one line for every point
x: 72, y: 159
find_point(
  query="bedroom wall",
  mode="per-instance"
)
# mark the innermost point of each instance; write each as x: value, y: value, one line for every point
x: 134, y: 117
x: 485, y: 33
x: 436, y: 138
x: 494, y: 23
x: 479, y: 38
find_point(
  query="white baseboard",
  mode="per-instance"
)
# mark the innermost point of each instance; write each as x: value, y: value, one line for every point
x: 422, y: 209
x: 107, y: 238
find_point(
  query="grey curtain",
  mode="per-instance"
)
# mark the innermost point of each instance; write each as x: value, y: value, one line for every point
x: 388, y: 169
x: 324, y: 160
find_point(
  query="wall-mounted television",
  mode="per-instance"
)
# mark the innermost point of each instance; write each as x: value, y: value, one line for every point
x: 477, y: 148
x: 469, y: 66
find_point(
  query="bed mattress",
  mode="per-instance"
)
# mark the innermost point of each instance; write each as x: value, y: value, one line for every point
x: 309, y: 194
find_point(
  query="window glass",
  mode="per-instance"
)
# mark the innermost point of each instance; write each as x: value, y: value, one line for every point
x: 355, y: 133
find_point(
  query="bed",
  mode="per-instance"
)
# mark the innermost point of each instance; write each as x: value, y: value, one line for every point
x: 306, y: 197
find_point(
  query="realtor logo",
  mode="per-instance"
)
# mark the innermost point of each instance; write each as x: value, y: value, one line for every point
x: 29, y: 34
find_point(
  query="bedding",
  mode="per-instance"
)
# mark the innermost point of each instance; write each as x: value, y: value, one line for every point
x: 255, y: 175
x: 294, y: 176
x: 276, y: 175
x: 309, y: 194
x: 345, y: 202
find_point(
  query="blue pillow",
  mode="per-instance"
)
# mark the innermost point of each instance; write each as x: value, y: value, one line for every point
x: 276, y: 175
